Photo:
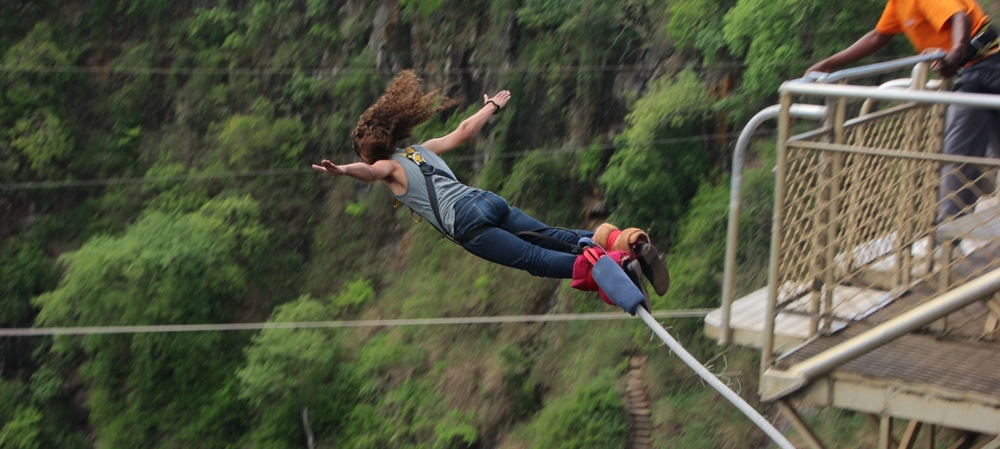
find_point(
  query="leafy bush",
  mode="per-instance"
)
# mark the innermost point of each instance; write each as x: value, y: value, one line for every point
x: 593, y: 417
x: 25, y: 271
x: 23, y: 431
x: 42, y: 140
x: 164, y: 269
x: 291, y: 369
x: 651, y: 183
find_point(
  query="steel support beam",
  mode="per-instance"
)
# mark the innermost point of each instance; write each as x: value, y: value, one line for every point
x: 799, y: 425
x: 909, y: 438
x: 777, y: 383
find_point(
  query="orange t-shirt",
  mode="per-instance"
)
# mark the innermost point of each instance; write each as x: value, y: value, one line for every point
x: 925, y: 22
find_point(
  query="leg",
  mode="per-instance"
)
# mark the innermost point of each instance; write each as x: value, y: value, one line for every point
x: 499, y: 246
x: 518, y: 221
x: 966, y: 134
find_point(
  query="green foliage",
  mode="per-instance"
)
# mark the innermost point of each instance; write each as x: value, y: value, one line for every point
x: 355, y: 90
x: 42, y: 140
x: 221, y: 422
x: 411, y: 415
x: 209, y: 28
x: 136, y: 96
x: 584, y: 33
x: 171, y: 196
x: 262, y: 84
x: 547, y: 13
x: 280, y: 360
x: 422, y: 7
x: 257, y: 142
x: 25, y: 89
x: 356, y: 294
x: 263, y: 31
x: 22, y: 432
x: 25, y: 271
x: 697, y: 24
x: 593, y: 417
x: 305, y: 93
x: 456, y: 430
x: 164, y: 269
x: 651, y: 183
x: 756, y: 212
x: 45, y: 384
x: 12, y: 393
x: 541, y: 183
x: 355, y: 209
x: 16, y: 19
x: 517, y: 380
x: 697, y: 254
x: 591, y: 161
x: 151, y: 12
x: 147, y: 262
x: 780, y: 39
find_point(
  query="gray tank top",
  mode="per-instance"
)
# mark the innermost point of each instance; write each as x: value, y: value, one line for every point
x: 448, y: 190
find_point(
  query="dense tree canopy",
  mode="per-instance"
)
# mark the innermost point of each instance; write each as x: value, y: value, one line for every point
x: 154, y: 170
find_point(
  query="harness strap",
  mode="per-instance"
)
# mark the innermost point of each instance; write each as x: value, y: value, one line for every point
x: 574, y: 249
x: 985, y: 42
x: 429, y: 171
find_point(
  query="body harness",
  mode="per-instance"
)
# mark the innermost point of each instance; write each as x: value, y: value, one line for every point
x: 429, y: 171
x: 984, y: 43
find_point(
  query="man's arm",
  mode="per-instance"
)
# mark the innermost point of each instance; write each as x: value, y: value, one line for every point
x: 868, y: 44
x: 470, y: 126
x: 953, y: 60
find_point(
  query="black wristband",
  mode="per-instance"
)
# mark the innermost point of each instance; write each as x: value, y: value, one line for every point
x: 494, y: 105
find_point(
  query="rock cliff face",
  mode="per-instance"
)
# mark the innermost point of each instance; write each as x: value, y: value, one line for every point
x: 579, y: 93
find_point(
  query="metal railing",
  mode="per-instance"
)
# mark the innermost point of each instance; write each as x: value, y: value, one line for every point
x: 856, y: 200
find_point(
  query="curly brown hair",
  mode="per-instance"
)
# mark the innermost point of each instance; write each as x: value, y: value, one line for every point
x: 392, y: 118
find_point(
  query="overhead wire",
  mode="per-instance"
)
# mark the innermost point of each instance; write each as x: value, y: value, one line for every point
x: 289, y: 171
x: 134, y: 70
x: 110, y: 70
x: 220, y: 327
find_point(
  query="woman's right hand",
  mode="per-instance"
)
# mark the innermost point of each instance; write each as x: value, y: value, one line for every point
x: 330, y: 168
x: 500, y: 99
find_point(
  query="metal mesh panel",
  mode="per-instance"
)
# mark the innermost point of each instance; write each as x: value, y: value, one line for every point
x: 802, y: 193
x: 861, y: 225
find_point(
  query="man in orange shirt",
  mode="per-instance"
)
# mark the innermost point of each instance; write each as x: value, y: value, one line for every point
x: 963, y: 29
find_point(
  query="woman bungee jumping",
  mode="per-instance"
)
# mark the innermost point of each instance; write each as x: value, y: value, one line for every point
x: 480, y: 221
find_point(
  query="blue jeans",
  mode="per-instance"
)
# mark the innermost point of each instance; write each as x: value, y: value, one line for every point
x: 500, y: 244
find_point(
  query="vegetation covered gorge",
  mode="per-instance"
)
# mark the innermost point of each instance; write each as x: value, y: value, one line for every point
x: 154, y: 167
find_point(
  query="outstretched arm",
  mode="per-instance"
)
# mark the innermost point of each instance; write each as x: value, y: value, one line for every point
x: 470, y: 126
x: 361, y: 171
x: 868, y: 44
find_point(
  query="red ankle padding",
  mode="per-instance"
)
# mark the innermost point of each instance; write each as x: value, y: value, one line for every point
x: 584, y: 265
x: 612, y: 238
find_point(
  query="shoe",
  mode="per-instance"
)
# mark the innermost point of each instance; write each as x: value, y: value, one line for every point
x: 653, y: 266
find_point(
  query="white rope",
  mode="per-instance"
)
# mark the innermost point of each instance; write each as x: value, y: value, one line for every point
x: 754, y: 416
x: 170, y: 328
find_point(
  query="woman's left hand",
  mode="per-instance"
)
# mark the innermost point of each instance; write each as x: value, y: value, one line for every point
x: 500, y: 99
